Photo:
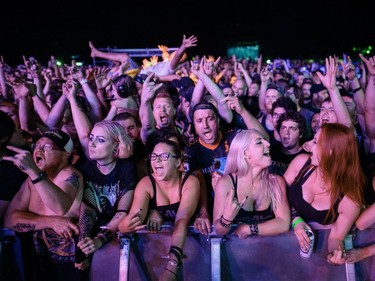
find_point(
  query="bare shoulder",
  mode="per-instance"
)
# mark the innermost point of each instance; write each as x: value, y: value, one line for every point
x: 71, y: 175
x: 144, y: 184
x: 223, y: 184
x: 300, y: 159
x: 295, y: 167
x: 281, y: 181
x: 192, y: 179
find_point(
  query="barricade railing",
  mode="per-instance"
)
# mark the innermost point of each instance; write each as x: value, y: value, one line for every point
x: 139, y: 257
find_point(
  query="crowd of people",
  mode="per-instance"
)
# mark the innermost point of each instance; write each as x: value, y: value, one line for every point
x: 227, y: 145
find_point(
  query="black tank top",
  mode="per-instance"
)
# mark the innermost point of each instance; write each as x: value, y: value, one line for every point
x: 306, y: 211
x: 168, y: 212
x: 250, y: 217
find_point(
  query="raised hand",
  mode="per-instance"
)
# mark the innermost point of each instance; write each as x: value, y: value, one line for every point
x: 232, y: 206
x: 23, y: 160
x: 370, y: 64
x: 149, y: 88
x: 189, y: 42
x: 329, y: 79
x: 70, y: 89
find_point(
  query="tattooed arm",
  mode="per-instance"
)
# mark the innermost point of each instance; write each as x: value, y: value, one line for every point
x: 59, y: 193
x: 20, y: 219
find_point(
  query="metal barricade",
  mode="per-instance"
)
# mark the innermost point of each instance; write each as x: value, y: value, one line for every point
x: 139, y: 257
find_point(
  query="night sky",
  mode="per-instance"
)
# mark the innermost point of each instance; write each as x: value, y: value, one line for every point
x: 285, y: 29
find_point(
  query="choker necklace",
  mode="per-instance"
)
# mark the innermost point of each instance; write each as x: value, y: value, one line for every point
x: 102, y: 165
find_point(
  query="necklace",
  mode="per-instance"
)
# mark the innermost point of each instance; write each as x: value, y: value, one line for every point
x: 106, y: 164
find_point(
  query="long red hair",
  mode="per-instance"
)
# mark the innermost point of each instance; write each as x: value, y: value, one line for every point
x: 340, y: 164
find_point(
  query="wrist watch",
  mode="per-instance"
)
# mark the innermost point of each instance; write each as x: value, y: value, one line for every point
x: 41, y: 176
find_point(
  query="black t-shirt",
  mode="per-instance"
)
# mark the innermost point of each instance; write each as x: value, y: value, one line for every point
x: 280, y: 160
x: 201, y: 157
x: 103, y: 192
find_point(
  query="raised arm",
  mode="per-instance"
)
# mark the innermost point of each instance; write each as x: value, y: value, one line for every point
x: 329, y: 81
x: 4, y: 89
x: 81, y: 121
x: 245, y: 74
x: 369, y: 101
x: 186, y: 43
x: 145, y: 108
x: 265, y: 77
x: 213, y: 89
x: 57, y: 193
x: 250, y: 121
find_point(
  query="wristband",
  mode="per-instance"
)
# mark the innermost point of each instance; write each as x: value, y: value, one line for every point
x: 83, y: 81
x: 297, y: 221
x: 223, y: 224
x: 254, y: 230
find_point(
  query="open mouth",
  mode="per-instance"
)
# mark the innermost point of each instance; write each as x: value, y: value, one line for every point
x: 163, y: 119
x: 38, y: 160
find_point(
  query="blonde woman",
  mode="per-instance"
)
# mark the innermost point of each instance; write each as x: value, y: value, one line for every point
x: 247, y: 194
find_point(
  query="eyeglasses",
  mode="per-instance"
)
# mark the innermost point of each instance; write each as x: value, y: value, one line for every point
x: 45, y: 147
x: 161, y: 156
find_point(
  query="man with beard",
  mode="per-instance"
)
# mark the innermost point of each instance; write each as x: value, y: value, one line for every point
x: 48, y: 204
x: 291, y: 127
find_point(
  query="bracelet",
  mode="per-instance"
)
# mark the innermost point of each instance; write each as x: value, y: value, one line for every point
x: 170, y: 271
x: 178, y: 252
x: 83, y: 81
x: 356, y: 90
x: 297, y: 221
x: 254, y: 230
x: 226, y: 219
x: 223, y: 224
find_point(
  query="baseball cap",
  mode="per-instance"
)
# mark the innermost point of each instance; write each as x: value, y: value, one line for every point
x: 187, y: 93
x: 183, y: 83
x: 60, y: 139
x: 202, y: 105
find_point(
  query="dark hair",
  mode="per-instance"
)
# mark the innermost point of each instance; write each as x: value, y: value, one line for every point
x: 127, y: 115
x: 284, y: 102
x: 161, y: 135
x: 7, y: 128
x: 293, y: 116
x: 175, y: 147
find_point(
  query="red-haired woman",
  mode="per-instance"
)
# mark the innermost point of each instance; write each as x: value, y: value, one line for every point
x: 327, y: 187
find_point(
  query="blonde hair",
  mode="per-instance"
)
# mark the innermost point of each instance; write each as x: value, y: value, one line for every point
x: 119, y: 136
x: 237, y: 164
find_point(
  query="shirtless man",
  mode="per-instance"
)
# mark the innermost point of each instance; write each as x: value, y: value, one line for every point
x: 48, y: 204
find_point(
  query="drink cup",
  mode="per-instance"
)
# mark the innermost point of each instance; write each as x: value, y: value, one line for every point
x: 306, y: 253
